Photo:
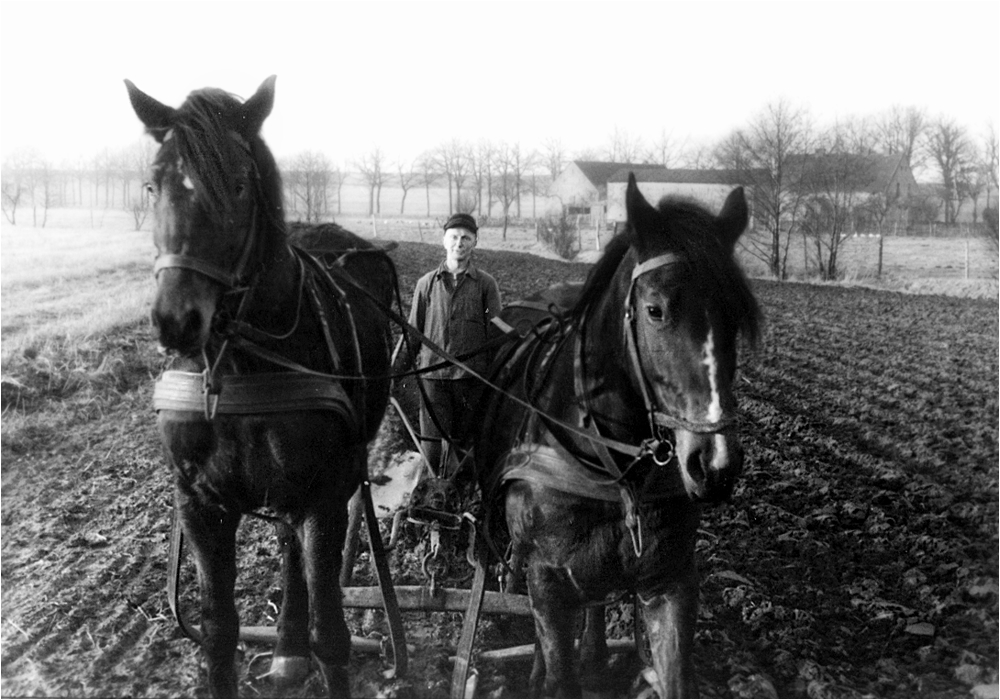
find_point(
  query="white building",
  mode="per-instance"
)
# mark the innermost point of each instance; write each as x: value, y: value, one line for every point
x: 710, y: 187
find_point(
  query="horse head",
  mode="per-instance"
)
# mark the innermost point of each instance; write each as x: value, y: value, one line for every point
x: 214, y: 187
x: 687, y: 303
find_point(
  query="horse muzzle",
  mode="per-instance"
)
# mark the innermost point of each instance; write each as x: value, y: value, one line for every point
x: 183, y: 310
x: 709, y: 464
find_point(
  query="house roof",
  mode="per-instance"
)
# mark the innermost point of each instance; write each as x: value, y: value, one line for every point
x: 681, y: 175
x: 598, y: 172
x: 874, y: 170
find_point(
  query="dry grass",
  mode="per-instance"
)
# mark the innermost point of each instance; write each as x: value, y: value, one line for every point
x: 914, y: 265
x: 75, y: 301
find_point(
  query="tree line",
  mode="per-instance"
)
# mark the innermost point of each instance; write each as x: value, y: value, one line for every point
x: 502, y: 178
x: 823, y: 199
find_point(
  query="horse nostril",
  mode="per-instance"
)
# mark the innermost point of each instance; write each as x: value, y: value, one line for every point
x: 191, y: 328
x: 696, y: 467
x: 179, y: 334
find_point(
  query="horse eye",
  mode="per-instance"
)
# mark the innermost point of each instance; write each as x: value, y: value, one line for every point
x: 148, y: 186
x: 655, y: 312
x: 240, y: 189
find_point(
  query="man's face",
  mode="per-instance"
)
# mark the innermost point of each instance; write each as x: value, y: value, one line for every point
x: 458, y: 244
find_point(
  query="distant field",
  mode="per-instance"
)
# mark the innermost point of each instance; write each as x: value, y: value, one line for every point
x: 63, y: 283
x: 932, y: 265
x: 108, y: 266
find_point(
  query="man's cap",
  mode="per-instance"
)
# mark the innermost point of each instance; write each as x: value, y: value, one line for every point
x: 461, y: 221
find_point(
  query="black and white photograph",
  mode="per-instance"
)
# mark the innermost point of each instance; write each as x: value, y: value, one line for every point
x: 499, y: 349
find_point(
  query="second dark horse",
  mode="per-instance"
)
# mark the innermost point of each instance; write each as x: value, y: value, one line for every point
x: 631, y: 428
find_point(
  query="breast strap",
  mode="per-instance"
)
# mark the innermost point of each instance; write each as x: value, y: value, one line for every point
x: 272, y: 392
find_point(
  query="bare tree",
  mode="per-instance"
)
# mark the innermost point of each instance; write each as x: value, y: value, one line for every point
x: 101, y: 164
x: 44, y: 188
x: 460, y: 166
x: 762, y: 152
x: 991, y: 162
x: 481, y: 164
x: 699, y: 157
x: 520, y: 163
x: 371, y: 167
x: 838, y: 181
x: 307, y: 181
x: 553, y: 156
x: 427, y: 167
x: 338, y: 177
x: 900, y: 130
x: 505, y: 181
x: 31, y: 176
x: 408, y: 177
x: 453, y: 161
x: 14, y: 176
x: 136, y: 161
x: 587, y: 154
x: 623, y: 147
x: 665, y: 150
x: 949, y: 148
x: 442, y: 165
x: 972, y: 180
x: 488, y: 158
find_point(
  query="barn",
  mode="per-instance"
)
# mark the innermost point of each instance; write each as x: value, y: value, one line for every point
x: 710, y: 187
x: 584, y: 183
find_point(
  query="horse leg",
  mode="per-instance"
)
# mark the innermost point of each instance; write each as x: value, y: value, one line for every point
x: 670, y: 619
x: 211, y: 532
x: 554, y: 612
x: 290, y: 661
x: 593, y: 649
x: 322, y: 537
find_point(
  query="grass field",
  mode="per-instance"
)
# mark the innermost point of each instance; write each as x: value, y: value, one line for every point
x: 859, y: 558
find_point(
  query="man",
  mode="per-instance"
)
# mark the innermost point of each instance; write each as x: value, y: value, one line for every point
x: 453, y: 306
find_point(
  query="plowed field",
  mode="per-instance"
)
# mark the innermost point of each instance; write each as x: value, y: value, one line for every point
x: 859, y: 557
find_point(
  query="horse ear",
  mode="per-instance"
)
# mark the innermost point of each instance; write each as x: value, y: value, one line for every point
x: 734, y: 217
x: 258, y: 107
x: 637, y: 209
x: 157, y: 117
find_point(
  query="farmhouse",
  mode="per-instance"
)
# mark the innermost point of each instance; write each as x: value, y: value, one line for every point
x: 710, y: 187
x: 584, y: 183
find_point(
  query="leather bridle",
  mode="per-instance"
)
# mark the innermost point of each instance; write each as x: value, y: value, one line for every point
x: 658, y: 418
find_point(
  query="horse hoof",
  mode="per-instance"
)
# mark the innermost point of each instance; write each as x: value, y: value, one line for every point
x: 289, y: 670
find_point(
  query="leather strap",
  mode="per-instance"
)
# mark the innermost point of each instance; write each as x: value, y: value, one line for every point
x: 274, y: 392
x: 189, y: 262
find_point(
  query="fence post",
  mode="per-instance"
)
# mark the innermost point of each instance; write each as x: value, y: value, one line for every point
x: 374, y: 229
x: 966, y: 257
x: 420, y: 230
x: 880, y: 237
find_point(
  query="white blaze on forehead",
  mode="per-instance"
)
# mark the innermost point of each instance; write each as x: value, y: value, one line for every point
x: 188, y: 184
x: 714, y: 413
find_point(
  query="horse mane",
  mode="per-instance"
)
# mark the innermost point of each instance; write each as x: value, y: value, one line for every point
x: 203, y: 131
x: 687, y: 231
x: 600, y: 276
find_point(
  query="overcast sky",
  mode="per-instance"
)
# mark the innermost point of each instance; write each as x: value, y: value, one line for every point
x: 409, y: 76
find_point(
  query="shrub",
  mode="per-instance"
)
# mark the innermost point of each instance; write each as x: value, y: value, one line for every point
x: 559, y: 235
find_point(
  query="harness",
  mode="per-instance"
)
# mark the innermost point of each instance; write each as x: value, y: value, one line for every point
x: 549, y: 463
x: 300, y: 388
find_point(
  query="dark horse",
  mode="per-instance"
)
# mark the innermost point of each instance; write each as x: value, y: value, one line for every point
x: 631, y: 428
x: 267, y: 405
